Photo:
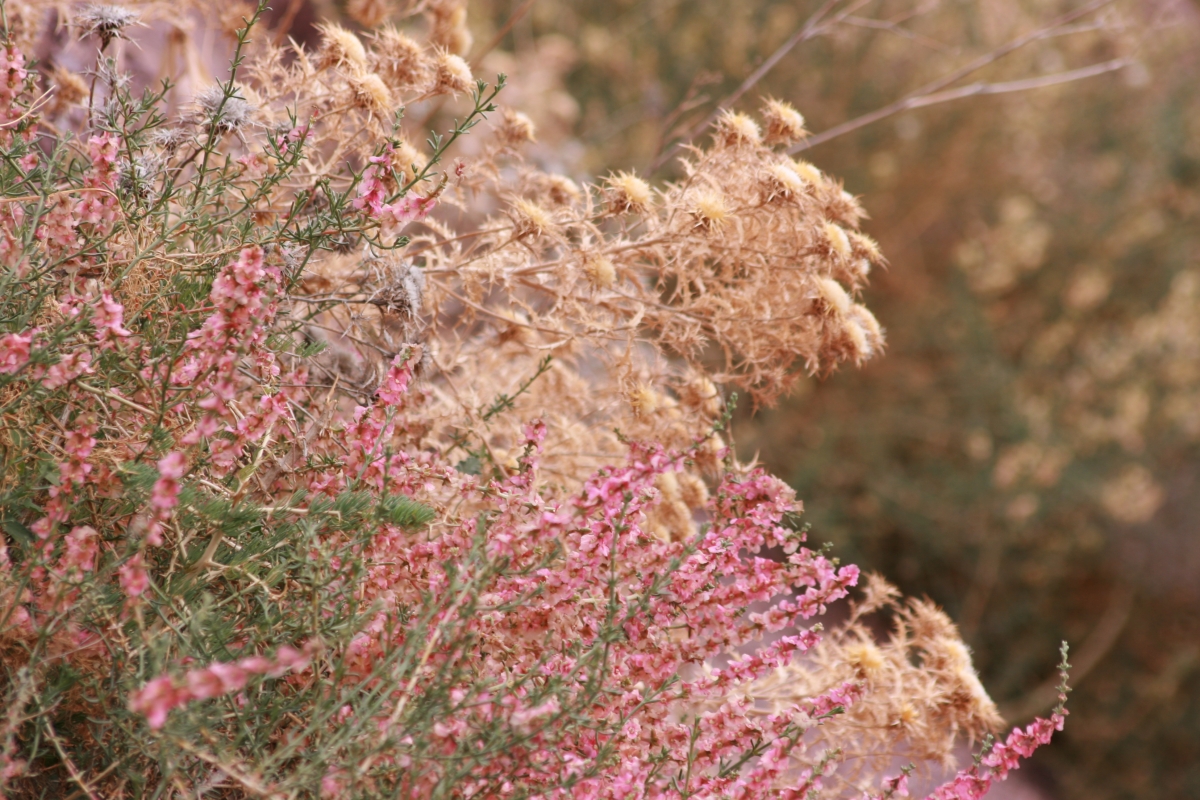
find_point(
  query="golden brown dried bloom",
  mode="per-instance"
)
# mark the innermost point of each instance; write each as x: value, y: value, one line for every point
x: 710, y: 210
x: 340, y: 48
x: 368, y: 13
x: 782, y: 182
x: 371, y: 93
x: 627, y: 193
x: 514, y: 128
x: 530, y: 219
x: 785, y: 125
x: 69, y: 90
x: 600, y: 272
x: 452, y: 75
x: 448, y: 26
x: 734, y: 129
x: 399, y: 60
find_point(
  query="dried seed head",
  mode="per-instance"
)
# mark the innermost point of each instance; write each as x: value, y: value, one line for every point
x: 627, y: 193
x: 864, y: 332
x: 530, y: 219
x: 837, y: 242
x: 644, y: 400
x: 834, y: 296
x: 865, y: 247
x: 371, y: 93
x: 107, y: 22
x: 701, y: 394
x: 866, y: 659
x: 405, y: 161
x: 449, y: 29
x: 399, y: 60
x: 69, y: 89
x: 600, y: 272
x: 453, y: 75
x: 170, y: 139
x: 226, y: 114
x: 368, y: 13
x: 692, y: 490
x: 734, y: 129
x: 808, y: 172
x: 782, y: 183
x: 340, y: 48
x: 561, y: 190
x: 709, y: 210
x: 785, y: 125
x: 515, y: 128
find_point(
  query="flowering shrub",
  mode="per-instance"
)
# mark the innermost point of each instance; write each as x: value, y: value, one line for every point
x: 261, y: 539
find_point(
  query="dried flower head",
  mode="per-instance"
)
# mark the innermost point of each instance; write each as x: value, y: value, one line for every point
x: 808, y: 172
x: 368, y: 13
x: 452, y: 74
x: 785, y: 125
x: 709, y: 210
x: 69, y: 89
x: 735, y: 129
x: 781, y: 182
x: 340, y: 48
x: 559, y: 190
x: 449, y: 26
x: 530, y: 219
x: 399, y: 60
x: 836, y: 240
x: 627, y: 193
x: 515, y: 128
x: 834, y: 296
x: 600, y: 272
x: 371, y: 93
x: 227, y: 113
x: 107, y: 22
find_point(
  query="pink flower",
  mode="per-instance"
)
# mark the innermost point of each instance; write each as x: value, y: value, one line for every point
x: 395, y: 383
x: 165, y: 494
x: 14, y: 351
x: 134, y: 578
x: 410, y: 208
x: 82, y: 548
x: 108, y: 317
x: 156, y: 699
x: 68, y: 369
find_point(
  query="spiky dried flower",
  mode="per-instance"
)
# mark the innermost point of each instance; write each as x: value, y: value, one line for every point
x: 69, y: 89
x: 785, y: 125
x: 600, y: 272
x: 368, y: 13
x: 452, y: 75
x: 340, y: 49
x: 627, y: 193
x: 107, y: 22
x: 227, y: 113
x: 515, y: 128
x: 448, y: 28
x: 709, y: 210
x: 399, y: 60
x: 371, y: 93
x: 782, y: 182
x: 735, y: 129
x: 530, y: 219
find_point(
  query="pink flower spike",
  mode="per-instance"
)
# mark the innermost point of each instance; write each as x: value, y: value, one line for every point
x: 14, y: 351
x: 108, y: 317
x: 134, y: 578
x: 410, y: 208
x: 156, y: 699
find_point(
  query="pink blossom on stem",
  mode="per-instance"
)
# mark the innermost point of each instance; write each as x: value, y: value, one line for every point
x: 14, y: 351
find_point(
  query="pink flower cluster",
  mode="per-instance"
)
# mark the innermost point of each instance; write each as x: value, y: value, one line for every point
x: 373, y: 192
x: 161, y: 695
x: 973, y: 783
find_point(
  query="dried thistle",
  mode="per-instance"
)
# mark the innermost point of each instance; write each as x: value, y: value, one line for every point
x: 107, y: 22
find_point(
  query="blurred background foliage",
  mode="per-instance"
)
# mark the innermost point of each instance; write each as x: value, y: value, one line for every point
x: 1027, y: 454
